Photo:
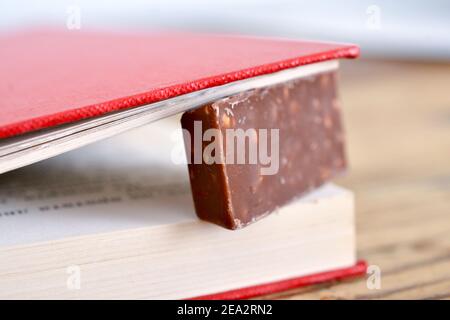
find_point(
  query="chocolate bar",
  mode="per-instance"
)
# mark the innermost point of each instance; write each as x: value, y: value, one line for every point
x: 250, y: 153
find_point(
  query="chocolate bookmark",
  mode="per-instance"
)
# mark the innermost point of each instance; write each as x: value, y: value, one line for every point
x: 250, y: 153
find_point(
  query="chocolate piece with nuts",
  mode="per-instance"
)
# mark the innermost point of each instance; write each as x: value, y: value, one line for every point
x: 296, y: 130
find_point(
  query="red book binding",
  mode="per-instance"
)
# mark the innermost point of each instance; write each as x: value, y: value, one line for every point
x: 357, y: 270
x: 55, y: 77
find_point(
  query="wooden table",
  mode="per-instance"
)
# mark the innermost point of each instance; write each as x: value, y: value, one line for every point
x: 397, y: 116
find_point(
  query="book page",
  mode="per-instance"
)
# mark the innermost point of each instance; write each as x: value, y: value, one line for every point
x: 128, y: 181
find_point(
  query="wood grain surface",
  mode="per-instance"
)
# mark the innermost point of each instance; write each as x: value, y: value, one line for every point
x: 397, y: 117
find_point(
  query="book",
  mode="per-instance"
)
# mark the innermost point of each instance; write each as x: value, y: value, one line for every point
x: 116, y: 220
x: 93, y: 85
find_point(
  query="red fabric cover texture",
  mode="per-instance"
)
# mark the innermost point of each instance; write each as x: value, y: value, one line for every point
x: 54, y: 77
x: 357, y: 270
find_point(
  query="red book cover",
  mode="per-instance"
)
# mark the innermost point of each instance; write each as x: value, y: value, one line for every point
x: 56, y: 77
x: 357, y: 270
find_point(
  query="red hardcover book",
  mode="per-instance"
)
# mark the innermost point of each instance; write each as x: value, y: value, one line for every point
x: 64, y: 89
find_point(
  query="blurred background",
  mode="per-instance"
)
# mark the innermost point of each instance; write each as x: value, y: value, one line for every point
x: 396, y: 102
x: 406, y: 29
